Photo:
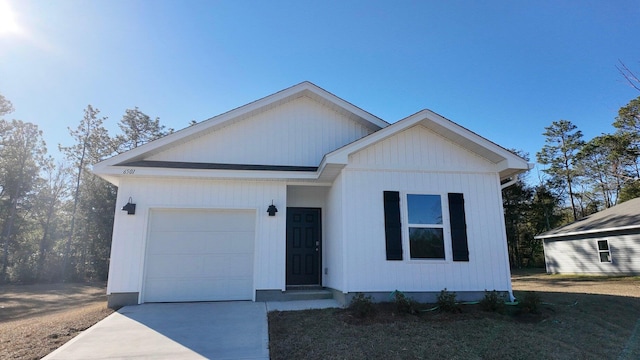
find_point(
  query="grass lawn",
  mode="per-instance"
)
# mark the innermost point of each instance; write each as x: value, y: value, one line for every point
x: 568, y: 326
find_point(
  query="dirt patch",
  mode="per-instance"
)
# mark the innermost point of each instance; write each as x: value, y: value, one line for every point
x: 37, y: 319
x: 537, y: 280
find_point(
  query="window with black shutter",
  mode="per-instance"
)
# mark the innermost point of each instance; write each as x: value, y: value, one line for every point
x: 392, y: 225
x: 458, y: 224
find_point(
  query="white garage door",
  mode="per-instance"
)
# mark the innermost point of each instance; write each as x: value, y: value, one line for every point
x: 199, y: 255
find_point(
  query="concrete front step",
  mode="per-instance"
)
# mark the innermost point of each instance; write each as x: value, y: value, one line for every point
x: 295, y: 295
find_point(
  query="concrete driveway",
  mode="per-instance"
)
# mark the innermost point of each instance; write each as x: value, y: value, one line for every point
x: 218, y: 330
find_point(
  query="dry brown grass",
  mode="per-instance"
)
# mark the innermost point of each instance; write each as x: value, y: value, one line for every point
x: 571, y: 325
x: 37, y: 319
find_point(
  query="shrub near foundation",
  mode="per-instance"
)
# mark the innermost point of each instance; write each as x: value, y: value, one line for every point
x: 361, y: 306
x: 493, y: 301
x: 405, y: 304
x: 447, y: 301
x: 530, y: 303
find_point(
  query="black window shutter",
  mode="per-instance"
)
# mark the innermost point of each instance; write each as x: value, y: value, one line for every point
x: 392, y: 227
x: 458, y: 227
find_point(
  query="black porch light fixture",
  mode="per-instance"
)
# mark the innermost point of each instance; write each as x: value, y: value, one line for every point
x: 272, y: 210
x: 130, y: 208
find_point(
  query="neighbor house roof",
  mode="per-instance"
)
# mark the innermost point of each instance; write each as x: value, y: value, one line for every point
x: 625, y: 216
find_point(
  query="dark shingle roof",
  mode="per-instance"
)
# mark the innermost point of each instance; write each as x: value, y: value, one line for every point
x: 623, y: 216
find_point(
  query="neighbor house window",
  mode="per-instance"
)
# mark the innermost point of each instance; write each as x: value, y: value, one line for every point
x: 603, y: 251
x: 426, y: 229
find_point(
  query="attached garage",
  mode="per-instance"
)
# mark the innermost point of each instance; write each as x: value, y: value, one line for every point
x: 199, y: 255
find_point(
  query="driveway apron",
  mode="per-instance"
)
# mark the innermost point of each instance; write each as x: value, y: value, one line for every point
x: 216, y: 330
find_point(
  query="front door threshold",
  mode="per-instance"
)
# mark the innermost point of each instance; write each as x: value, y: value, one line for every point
x: 303, y: 287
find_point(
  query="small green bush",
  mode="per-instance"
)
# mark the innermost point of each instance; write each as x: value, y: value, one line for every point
x: 530, y: 303
x: 493, y: 301
x: 361, y: 306
x: 447, y: 301
x: 405, y: 304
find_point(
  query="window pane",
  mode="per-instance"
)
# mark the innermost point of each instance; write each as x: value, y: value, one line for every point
x: 426, y: 243
x: 603, y: 245
x: 605, y: 256
x: 424, y: 209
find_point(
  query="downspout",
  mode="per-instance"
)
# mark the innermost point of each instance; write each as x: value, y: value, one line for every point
x: 502, y: 187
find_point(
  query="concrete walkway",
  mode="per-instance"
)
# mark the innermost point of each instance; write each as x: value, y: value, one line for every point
x: 216, y: 330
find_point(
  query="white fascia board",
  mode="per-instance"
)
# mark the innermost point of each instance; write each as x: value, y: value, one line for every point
x: 472, y: 141
x: 587, y: 232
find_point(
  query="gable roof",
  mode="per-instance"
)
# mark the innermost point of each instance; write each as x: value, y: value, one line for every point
x: 625, y: 216
x: 303, y: 89
x: 508, y: 164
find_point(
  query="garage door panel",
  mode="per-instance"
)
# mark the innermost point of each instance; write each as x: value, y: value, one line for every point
x: 190, y: 289
x: 200, y: 255
x: 175, y: 242
x: 166, y: 266
x: 231, y: 242
x: 229, y: 265
x: 187, y: 220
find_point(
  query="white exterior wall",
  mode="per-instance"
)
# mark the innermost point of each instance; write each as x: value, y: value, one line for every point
x: 580, y: 256
x: 130, y: 231
x: 446, y: 168
x: 297, y: 133
x: 333, y: 236
x: 306, y: 196
x: 419, y: 148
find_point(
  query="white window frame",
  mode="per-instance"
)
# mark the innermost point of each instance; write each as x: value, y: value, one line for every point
x: 600, y: 252
x: 445, y: 226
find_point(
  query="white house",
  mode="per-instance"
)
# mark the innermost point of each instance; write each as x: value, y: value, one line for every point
x: 604, y: 243
x: 362, y: 206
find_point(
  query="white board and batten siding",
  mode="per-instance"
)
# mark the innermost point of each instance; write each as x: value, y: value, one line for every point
x: 131, y: 232
x: 333, y: 237
x: 297, y: 133
x: 443, y: 168
x: 580, y: 255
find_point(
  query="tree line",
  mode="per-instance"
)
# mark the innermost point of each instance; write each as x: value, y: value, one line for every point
x: 579, y: 178
x: 56, y: 219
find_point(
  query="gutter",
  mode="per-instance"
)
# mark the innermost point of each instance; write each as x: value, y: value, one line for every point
x: 515, y: 180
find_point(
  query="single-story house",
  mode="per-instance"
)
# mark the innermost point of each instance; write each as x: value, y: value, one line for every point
x: 302, y: 189
x: 607, y: 243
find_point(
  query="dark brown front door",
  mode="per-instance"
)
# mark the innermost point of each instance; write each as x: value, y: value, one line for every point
x: 303, y: 246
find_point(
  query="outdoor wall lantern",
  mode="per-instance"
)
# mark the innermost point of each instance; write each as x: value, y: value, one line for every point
x: 272, y: 210
x: 130, y: 208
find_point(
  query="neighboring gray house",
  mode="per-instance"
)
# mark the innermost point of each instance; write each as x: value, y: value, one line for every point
x: 362, y: 206
x: 607, y: 242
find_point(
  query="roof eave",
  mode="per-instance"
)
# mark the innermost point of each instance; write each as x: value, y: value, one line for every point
x: 586, y: 232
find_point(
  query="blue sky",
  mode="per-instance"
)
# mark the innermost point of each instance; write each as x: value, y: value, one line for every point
x: 504, y: 69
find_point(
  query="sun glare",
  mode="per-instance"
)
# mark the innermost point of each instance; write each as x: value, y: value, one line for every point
x: 8, y: 24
